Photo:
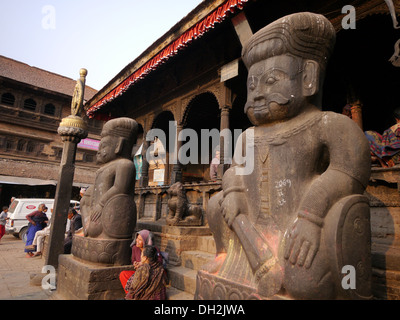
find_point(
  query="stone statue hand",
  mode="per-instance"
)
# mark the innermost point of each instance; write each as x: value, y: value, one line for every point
x: 231, y: 205
x: 303, y: 243
x: 96, y: 213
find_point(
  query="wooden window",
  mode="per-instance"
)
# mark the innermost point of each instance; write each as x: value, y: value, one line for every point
x: 50, y: 109
x: 8, y: 99
x: 21, y: 145
x: 30, y: 147
x: 30, y: 104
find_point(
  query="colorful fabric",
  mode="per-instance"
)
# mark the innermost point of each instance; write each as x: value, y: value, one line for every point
x: 385, y: 145
x: 30, y: 235
x: 148, y: 283
x: 2, y: 231
x: 124, y: 276
x: 39, y: 217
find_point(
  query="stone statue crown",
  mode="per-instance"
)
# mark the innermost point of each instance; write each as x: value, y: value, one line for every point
x: 306, y: 35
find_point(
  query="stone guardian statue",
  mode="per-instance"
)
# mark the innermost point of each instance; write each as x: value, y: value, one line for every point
x: 289, y: 227
x: 108, y: 208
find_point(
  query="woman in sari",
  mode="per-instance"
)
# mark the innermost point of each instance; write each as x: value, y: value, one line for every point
x: 149, y: 280
x: 142, y: 238
x: 37, y: 221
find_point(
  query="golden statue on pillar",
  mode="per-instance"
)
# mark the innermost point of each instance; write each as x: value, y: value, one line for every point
x: 74, y: 127
x: 79, y: 91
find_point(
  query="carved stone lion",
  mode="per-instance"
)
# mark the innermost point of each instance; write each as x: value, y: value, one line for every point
x: 181, y: 212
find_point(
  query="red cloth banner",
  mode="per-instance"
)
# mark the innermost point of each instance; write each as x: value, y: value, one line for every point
x: 217, y: 16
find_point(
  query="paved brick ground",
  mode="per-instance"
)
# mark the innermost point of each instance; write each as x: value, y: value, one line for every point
x: 16, y: 272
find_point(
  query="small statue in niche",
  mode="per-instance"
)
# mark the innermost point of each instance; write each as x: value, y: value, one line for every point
x: 108, y: 209
x: 181, y: 212
x: 290, y: 225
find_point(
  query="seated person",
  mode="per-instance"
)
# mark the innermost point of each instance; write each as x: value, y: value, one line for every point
x: 149, y: 280
x: 385, y: 148
x: 76, y: 224
x: 143, y: 238
x: 37, y: 221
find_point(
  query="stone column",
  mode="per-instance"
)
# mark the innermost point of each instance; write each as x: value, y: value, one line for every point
x: 72, y: 129
x: 144, y: 177
x: 176, y: 175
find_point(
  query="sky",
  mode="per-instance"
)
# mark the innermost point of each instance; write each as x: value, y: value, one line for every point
x: 102, y: 36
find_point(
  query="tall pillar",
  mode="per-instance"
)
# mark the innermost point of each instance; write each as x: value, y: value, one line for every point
x: 144, y: 176
x: 224, y: 126
x: 176, y: 175
x: 72, y: 129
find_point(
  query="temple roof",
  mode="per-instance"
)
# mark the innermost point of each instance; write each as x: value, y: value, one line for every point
x: 24, y: 73
x: 193, y: 26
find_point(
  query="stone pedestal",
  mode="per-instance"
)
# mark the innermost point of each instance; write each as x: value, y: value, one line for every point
x: 80, y: 280
x: 212, y: 287
x: 106, y: 251
x: 174, y: 240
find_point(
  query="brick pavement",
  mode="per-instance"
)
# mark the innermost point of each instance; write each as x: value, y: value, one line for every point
x: 16, y: 272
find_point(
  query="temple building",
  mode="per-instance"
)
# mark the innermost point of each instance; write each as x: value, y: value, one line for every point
x: 32, y: 103
x: 193, y: 78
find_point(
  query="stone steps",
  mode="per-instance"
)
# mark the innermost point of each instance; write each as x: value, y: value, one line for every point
x: 183, y: 279
x: 196, y: 259
x: 206, y: 244
x: 188, y: 248
x: 176, y: 294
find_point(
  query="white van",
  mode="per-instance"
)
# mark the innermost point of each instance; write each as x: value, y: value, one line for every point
x: 20, y: 208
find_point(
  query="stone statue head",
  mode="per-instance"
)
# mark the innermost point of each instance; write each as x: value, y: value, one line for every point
x: 117, y: 139
x: 286, y: 61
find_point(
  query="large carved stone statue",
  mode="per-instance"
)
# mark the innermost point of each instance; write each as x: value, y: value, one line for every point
x: 108, y: 208
x: 289, y: 226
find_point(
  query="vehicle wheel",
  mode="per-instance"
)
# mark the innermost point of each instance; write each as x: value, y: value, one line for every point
x: 22, y: 234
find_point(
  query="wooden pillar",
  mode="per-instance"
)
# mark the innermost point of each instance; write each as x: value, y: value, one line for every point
x: 144, y: 176
x: 176, y: 175
x: 223, y: 145
x: 356, y: 113
x: 226, y: 106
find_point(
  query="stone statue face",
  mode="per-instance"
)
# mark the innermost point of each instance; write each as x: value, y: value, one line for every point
x: 274, y: 90
x: 106, y: 152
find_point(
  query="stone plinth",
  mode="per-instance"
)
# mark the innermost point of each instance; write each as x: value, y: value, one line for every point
x: 173, y: 239
x: 106, y: 251
x: 80, y: 280
x: 212, y: 287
